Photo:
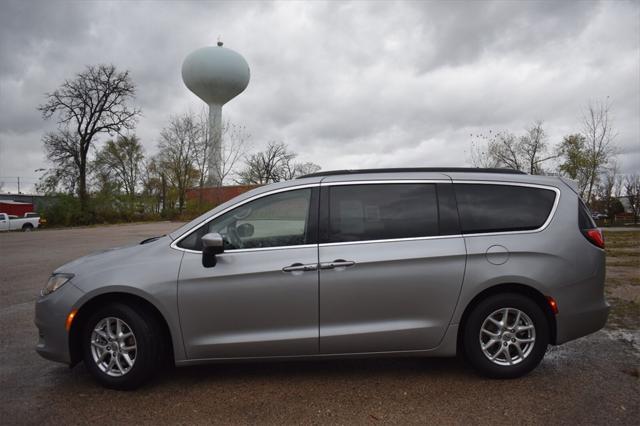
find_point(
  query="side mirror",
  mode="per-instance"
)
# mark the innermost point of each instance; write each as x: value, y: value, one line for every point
x: 212, y: 244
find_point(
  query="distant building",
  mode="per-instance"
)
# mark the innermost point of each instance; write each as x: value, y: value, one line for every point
x: 16, y: 208
x: 217, y: 195
x: 39, y: 201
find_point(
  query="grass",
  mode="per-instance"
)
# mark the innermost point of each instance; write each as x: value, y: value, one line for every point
x: 622, y: 281
x: 623, y: 278
x: 622, y: 239
x: 624, y: 261
x: 624, y: 314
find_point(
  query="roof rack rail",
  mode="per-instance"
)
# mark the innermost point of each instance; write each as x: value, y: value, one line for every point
x: 415, y: 169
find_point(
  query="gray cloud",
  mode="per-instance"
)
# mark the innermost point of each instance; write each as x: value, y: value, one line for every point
x: 349, y: 84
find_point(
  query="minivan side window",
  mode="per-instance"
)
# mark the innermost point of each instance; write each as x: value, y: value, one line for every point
x: 275, y: 220
x: 585, y: 220
x: 382, y: 211
x: 502, y: 208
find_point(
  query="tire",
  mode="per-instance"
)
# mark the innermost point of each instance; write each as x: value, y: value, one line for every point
x: 27, y: 227
x: 147, y: 338
x: 509, y: 361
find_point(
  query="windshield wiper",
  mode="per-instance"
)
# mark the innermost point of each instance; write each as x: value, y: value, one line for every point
x: 152, y: 239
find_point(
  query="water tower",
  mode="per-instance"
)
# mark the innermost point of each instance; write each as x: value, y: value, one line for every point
x: 216, y: 75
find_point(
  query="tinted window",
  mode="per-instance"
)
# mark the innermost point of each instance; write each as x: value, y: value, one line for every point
x: 272, y: 221
x: 382, y: 211
x: 585, y: 220
x: 495, y: 208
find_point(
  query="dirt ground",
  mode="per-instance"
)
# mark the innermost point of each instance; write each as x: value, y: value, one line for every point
x: 593, y: 380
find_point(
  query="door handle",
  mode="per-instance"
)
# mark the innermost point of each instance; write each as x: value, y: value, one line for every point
x: 299, y: 267
x: 338, y: 263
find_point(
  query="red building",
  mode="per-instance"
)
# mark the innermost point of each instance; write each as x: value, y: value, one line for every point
x: 15, y: 207
x: 217, y: 195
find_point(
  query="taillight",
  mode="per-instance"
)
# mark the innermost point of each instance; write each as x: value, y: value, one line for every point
x: 595, y: 237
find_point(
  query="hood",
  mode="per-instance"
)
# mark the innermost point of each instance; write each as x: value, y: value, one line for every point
x: 113, y: 258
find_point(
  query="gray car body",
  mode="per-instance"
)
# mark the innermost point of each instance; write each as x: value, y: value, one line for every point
x: 403, y: 297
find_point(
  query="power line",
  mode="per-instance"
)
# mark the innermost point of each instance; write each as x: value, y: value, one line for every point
x: 19, y: 181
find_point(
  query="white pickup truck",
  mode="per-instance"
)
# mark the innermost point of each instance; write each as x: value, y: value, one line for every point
x: 12, y: 223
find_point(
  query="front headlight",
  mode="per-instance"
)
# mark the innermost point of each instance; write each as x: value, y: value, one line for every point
x: 55, y: 282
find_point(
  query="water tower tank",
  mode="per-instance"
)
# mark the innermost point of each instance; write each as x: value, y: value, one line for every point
x: 215, y: 74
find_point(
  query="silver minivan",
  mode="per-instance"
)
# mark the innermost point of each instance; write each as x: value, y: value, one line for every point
x: 491, y: 264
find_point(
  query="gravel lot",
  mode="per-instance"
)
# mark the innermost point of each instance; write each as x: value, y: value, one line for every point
x: 590, y: 381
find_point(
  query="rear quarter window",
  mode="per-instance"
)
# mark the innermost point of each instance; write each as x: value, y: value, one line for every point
x: 585, y: 221
x: 502, y: 208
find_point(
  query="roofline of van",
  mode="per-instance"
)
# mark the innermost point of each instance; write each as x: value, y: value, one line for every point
x: 415, y: 170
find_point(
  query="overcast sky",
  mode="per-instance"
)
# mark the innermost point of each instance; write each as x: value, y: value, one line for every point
x: 346, y: 85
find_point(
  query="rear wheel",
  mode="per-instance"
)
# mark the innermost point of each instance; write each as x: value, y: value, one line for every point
x: 505, y: 336
x: 122, y: 346
x: 27, y: 227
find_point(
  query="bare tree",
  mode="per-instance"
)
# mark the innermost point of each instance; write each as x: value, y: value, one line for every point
x: 533, y: 148
x: 178, y: 145
x: 632, y: 191
x: 266, y: 166
x: 96, y: 101
x: 480, y: 153
x: 121, y: 160
x: 153, y: 184
x: 274, y: 164
x: 293, y: 170
x: 504, y: 149
x: 618, y: 186
x: 505, y: 152
x: 599, y: 136
x: 234, y: 143
x: 61, y: 148
x: 605, y: 189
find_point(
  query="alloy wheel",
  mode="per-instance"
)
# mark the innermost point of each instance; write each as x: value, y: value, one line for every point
x: 113, y: 346
x: 507, y: 336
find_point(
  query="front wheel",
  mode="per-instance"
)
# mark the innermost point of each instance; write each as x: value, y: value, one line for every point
x: 121, y: 346
x: 505, y: 336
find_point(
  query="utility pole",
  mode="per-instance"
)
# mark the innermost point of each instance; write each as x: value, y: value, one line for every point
x: 18, y: 184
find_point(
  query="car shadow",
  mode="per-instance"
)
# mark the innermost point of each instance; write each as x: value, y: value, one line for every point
x: 344, y: 369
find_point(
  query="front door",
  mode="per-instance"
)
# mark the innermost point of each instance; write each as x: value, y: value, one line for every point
x: 390, y: 275
x: 261, y: 298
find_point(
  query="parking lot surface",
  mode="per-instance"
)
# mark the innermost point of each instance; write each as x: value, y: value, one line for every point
x: 593, y: 380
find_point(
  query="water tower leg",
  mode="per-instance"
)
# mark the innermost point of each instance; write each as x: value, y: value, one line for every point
x: 215, y: 144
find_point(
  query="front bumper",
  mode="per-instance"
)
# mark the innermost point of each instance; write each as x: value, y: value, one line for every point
x: 51, y: 315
